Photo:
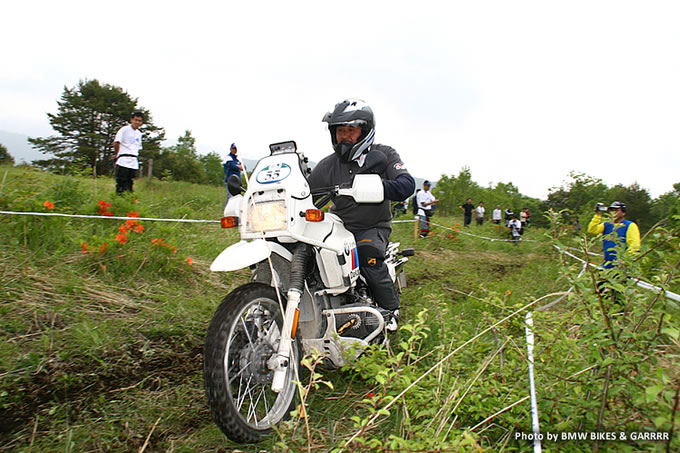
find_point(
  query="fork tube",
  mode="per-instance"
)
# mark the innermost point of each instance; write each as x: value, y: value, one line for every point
x: 283, y: 354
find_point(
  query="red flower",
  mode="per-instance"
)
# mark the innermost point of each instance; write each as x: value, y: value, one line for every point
x: 450, y: 235
x: 121, y: 238
x: 190, y: 261
x: 132, y: 214
x: 455, y: 239
x: 103, y: 208
x: 130, y: 223
x: 83, y: 247
x: 123, y: 229
x: 370, y: 395
x: 102, y: 248
x: 48, y: 205
x: 138, y: 229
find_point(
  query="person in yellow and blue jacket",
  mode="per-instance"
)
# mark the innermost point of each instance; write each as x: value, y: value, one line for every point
x: 616, y: 232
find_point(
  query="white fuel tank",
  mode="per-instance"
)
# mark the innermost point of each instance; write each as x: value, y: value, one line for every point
x: 338, y: 259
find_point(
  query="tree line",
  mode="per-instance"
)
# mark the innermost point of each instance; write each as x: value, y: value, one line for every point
x: 89, y: 115
x: 575, y: 198
x: 87, y: 119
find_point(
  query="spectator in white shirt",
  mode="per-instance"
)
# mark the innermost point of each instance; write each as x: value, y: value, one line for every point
x: 425, y: 201
x: 127, y: 144
x: 497, y: 214
x: 480, y: 213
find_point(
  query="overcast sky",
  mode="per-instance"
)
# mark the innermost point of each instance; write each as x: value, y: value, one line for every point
x: 518, y: 91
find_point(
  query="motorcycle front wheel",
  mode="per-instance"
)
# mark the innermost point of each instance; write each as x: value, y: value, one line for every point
x: 244, y: 334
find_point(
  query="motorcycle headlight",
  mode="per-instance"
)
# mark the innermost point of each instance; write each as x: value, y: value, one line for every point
x: 267, y: 216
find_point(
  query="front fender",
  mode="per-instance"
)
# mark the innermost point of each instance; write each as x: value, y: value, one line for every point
x: 240, y: 255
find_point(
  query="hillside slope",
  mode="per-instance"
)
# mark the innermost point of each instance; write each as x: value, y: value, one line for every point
x: 102, y: 339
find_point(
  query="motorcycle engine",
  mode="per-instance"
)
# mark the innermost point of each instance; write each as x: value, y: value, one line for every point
x: 359, y: 324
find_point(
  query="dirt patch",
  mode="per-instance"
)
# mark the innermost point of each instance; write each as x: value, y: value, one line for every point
x: 149, y: 366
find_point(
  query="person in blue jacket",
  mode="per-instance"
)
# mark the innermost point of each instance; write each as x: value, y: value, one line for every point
x: 617, y: 231
x: 232, y: 166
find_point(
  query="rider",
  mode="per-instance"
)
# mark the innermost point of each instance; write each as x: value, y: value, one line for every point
x: 352, y: 128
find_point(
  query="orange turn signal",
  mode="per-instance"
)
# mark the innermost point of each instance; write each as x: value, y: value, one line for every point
x: 314, y: 215
x: 295, y: 323
x: 229, y: 222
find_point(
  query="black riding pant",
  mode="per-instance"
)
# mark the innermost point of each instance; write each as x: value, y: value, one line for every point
x: 372, y: 244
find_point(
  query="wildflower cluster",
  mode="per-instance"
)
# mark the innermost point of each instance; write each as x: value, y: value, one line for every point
x: 48, y: 205
x: 88, y: 249
x: 455, y: 229
x: 104, y: 208
x: 161, y: 243
x: 129, y: 225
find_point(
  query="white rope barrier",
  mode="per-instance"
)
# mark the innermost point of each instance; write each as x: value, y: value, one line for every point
x: 82, y: 216
x: 640, y: 283
x: 477, y: 236
x: 464, y: 232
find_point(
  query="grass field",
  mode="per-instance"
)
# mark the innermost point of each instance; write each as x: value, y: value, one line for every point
x: 101, y: 339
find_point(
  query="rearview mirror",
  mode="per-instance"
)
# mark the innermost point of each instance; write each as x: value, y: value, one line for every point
x: 365, y: 189
x: 234, y: 185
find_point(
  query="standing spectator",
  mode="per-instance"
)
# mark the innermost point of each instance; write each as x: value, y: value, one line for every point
x: 508, y: 215
x: 467, y: 208
x: 480, y: 213
x: 496, y: 216
x: 127, y: 144
x: 232, y: 166
x: 523, y: 217
x: 615, y: 233
x: 425, y: 207
x: 528, y: 216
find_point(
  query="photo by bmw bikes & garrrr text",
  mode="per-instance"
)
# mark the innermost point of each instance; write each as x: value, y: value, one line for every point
x: 306, y: 293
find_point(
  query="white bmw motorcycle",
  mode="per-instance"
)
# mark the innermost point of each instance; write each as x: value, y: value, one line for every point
x: 305, y: 294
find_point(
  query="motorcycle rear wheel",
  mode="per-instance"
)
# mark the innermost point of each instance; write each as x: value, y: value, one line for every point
x: 244, y: 333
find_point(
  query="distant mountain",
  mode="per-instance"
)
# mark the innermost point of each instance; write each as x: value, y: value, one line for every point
x: 19, y: 148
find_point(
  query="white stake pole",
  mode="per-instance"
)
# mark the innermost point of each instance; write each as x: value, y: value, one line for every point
x: 532, y: 388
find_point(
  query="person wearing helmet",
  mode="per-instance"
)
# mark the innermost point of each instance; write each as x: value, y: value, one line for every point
x: 616, y: 232
x: 352, y: 129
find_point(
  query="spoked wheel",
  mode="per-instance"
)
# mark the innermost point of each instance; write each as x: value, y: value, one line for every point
x: 243, y: 335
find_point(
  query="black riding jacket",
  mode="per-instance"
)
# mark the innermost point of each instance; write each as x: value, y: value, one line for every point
x: 382, y: 160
